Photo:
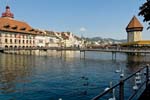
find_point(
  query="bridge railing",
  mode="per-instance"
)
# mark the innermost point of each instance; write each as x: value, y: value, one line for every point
x: 121, y: 86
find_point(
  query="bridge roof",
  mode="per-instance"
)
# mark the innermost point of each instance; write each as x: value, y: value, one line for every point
x: 143, y: 42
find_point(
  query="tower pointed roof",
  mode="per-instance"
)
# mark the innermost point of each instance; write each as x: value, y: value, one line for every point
x: 134, y: 25
x: 8, y: 13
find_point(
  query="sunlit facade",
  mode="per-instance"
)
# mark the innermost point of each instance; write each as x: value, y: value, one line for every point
x: 18, y: 34
x: 14, y: 33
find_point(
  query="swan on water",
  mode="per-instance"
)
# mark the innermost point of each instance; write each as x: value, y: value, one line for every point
x: 135, y: 87
x: 107, y: 88
x: 138, y: 78
x: 60, y: 99
x: 118, y: 70
x: 138, y: 82
x: 122, y: 73
x: 138, y: 73
x: 113, y: 94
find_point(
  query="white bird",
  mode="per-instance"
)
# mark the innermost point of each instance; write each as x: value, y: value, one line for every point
x: 113, y: 98
x: 60, y: 99
x: 137, y: 77
x: 107, y: 88
x: 138, y: 73
x: 135, y: 87
x: 122, y: 73
x: 118, y: 70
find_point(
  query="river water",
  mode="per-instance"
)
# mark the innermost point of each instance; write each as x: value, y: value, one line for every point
x: 62, y: 75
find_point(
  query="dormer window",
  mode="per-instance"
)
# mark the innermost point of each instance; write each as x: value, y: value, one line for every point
x: 31, y: 30
x: 14, y: 27
x: 6, y: 26
x: 23, y: 28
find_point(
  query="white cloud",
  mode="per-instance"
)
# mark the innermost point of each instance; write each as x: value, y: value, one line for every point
x: 83, y: 29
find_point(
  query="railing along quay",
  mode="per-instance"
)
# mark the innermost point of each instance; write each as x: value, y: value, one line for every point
x: 120, y: 85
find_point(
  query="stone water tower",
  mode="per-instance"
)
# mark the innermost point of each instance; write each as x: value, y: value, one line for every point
x: 134, y: 30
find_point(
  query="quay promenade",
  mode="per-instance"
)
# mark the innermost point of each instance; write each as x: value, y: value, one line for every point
x: 146, y: 94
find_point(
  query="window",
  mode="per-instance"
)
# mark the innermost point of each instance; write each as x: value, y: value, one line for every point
x: 10, y: 35
x: 10, y: 40
x: 33, y: 42
x: 6, y: 40
x: 15, y: 41
x: 40, y: 41
x: 22, y: 41
x: 19, y: 41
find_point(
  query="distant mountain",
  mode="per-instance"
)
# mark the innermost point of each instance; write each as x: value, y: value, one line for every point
x: 105, y: 40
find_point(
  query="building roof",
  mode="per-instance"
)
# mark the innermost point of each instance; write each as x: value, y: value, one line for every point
x: 8, y: 24
x: 134, y: 25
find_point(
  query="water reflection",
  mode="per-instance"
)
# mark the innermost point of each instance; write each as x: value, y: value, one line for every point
x: 59, y: 74
x: 13, y: 69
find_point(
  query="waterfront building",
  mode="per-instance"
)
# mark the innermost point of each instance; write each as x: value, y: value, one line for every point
x: 14, y: 33
x: 18, y: 34
x: 40, y: 38
x: 70, y: 40
x: 52, y: 39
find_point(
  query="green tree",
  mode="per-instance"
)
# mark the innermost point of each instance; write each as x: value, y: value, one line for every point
x: 145, y: 12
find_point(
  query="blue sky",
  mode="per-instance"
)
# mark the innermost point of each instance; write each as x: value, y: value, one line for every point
x: 90, y: 18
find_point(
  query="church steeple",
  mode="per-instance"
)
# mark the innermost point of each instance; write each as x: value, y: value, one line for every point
x: 8, y: 13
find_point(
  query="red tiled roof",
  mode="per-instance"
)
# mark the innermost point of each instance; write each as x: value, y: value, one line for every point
x: 9, y: 24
